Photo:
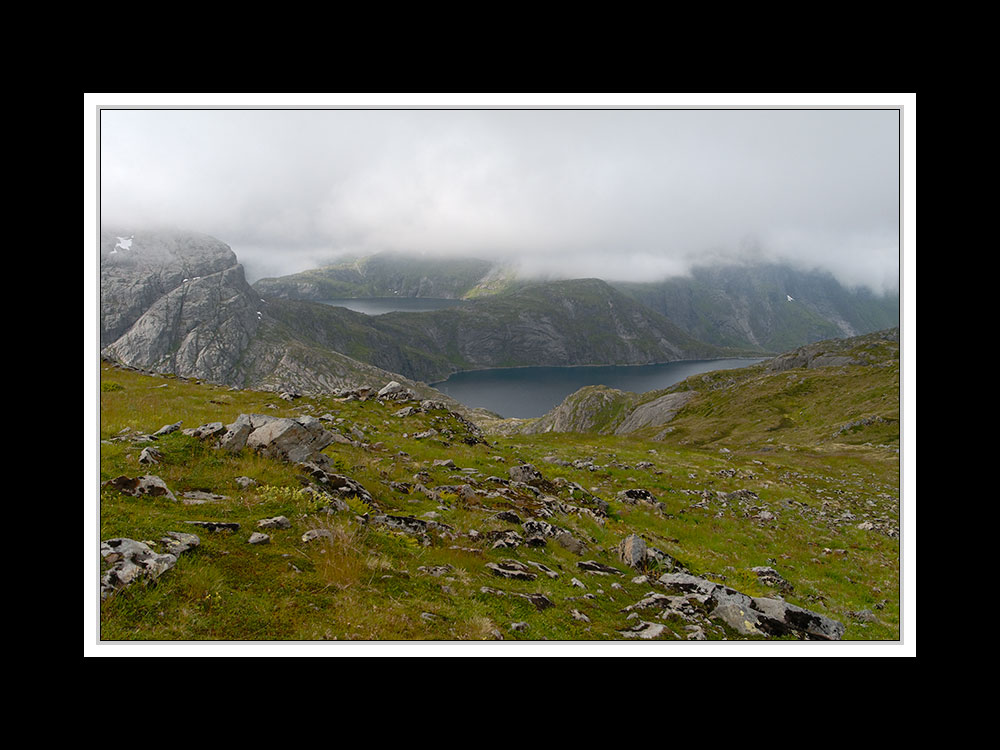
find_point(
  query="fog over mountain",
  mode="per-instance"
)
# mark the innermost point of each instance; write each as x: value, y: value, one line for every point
x: 627, y: 195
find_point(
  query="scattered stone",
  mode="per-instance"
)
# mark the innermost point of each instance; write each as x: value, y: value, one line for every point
x: 216, y: 526
x: 131, y: 560
x: 150, y: 456
x: 425, y: 434
x: 546, y: 570
x: 148, y: 484
x: 578, y: 615
x: 770, y: 577
x: 205, y: 431
x: 512, y: 569
x: 632, y: 551
x: 643, y: 630
x: 245, y: 482
x: 519, y: 627
x: 177, y: 542
x: 504, y: 539
x: 314, y: 534
x: 578, y: 583
x: 525, y: 473
x: 634, y: 496
x: 592, y: 566
x: 509, y: 516
x: 446, y: 462
x: 405, y: 412
x: 197, y: 497
x: 865, y: 616
x: 748, y: 615
x: 258, y: 538
x: 167, y: 429
x: 570, y: 542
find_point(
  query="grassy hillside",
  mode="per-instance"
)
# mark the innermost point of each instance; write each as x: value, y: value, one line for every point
x: 822, y: 510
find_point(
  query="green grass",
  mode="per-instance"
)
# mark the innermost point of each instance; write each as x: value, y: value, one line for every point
x: 367, y: 584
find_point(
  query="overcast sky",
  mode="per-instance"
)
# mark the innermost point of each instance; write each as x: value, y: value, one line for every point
x: 617, y: 194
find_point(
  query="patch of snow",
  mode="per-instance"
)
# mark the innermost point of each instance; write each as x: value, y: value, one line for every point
x: 790, y: 298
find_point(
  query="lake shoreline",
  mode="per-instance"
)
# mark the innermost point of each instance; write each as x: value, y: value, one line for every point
x: 530, y: 391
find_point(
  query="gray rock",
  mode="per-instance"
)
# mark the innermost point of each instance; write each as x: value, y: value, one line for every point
x: 258, y: 538
x: 277, y: 522
x: 198, y: 497
x: 570, y: 542
x: 314, y: 534
x: 643, y: 630
x: 295, y: 440
x: 511, y: 569
x: 147, y: 485
x: 596, y: 568
x: 131, y: 561
x: 205, y: 431
x: 167, y: 428
x: 636, y: 495
x: 216, y: 526
x: 814, y: 626
x: 525, y: 473
x: 770, y: 577
x: 632, y: 551
x: 150, y: 456
x: 245, y: 482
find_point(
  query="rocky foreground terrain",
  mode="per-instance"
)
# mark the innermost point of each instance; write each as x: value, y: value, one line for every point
x: 380, y: 515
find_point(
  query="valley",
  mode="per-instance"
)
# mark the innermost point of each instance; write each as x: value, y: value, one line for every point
x: 277, y: 469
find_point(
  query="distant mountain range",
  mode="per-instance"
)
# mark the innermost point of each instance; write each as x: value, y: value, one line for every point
x: 762, y: 308
x: 179, y: 302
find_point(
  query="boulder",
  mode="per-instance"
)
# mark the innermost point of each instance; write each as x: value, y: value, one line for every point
x: 294, y: 440
x: 277, y: 522
x: 130, y: 560
x: 148, y: 485
x: 525, y: 473
x: 632, y: 551
x: 511, y: 569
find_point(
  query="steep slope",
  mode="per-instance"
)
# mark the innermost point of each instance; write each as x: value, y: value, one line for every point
x: 179, y: 303
x: 749, y: 306
x: 578, y: 322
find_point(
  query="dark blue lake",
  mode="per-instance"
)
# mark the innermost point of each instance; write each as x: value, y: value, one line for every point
x: 532, y: 391
x: 382, y: 305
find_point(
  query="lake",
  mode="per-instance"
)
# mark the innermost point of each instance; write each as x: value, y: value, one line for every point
x: 382, y: 305
x: 531, y: 391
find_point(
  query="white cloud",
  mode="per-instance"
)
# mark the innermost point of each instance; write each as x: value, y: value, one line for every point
x: 622, y: 194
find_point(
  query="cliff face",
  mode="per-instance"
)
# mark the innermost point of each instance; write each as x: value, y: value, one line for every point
x: 176, y: 302
x: 179, y: 302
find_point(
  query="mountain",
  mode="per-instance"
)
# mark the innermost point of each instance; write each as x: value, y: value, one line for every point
x: 178, y: 302
x: 385, y: 275
x: 766, y: 307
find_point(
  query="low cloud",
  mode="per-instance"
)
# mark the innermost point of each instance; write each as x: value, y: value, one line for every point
x: 618, y: 194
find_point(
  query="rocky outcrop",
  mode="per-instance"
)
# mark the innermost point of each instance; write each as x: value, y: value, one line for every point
x: 745, y: 614
x: 130, y: 561
x: 176, y: 302
x: 179, y: 303
x: 607, y: 411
